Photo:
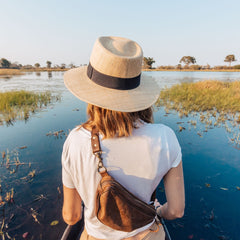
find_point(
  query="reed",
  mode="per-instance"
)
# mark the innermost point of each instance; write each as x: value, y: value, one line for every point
x: 212, y: 103
x: 202, y: 96
x: 20, y: 104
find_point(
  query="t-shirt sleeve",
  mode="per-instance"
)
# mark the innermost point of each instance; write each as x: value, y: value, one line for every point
x: 178, y: 159
x: 66, y: 163
x: 175, y: 149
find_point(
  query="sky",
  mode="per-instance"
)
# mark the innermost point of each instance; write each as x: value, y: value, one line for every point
x: 61, y: 31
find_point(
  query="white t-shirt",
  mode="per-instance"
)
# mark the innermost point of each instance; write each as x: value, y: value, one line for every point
x: 138, y: 162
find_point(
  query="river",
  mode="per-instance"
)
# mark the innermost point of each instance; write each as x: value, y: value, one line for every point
x: 211, y: 163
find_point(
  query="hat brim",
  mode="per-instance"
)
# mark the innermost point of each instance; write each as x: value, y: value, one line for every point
x: 140, y: 98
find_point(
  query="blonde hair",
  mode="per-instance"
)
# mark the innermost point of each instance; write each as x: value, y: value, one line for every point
x: 115, y: 124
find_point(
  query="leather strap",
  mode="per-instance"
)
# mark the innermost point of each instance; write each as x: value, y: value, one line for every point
x: 96, y: 148
x: 153, y: 197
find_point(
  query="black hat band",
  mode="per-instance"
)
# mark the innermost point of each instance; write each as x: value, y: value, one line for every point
x: 112, y: 82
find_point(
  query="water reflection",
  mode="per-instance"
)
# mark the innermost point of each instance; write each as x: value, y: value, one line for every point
x: 49, y: 75
x: 168, y: 79
x: 32, y: 82
x: 7, y: 77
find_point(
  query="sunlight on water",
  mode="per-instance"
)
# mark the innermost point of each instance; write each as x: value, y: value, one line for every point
x: 39, y: 81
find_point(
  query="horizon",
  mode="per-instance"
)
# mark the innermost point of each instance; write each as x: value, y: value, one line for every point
x: 36, y: 32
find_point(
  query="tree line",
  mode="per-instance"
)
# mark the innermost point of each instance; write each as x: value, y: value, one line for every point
x: 5, y: 63
x: 189, y: 62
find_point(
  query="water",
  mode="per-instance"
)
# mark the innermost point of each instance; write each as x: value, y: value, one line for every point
x: 211, y: 164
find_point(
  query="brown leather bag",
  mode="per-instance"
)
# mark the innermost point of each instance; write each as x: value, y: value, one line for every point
x: 115, y: 206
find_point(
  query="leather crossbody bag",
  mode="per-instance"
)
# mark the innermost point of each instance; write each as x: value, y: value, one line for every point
x: 115, y: 206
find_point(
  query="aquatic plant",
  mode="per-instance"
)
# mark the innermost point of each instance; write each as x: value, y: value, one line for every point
x: 213, y: 103
x: 10, y: 167
x: 18, y: 105
x: 57, y: 134
x: 202, y: 96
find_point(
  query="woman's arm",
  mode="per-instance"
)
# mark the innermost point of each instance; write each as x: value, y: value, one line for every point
x: 174, y: 190
x: 72, y: 206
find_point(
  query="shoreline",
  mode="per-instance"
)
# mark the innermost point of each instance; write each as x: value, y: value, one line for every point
x: 190, y: 70
x: 45, y: 70
x: 5, y: 72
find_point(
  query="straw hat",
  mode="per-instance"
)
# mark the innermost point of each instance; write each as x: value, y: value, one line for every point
x: 113, y: 78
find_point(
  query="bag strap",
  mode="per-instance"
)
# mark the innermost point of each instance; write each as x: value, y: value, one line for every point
x: 97, y: 151
x: 96, y: 148
x: 153, y: 197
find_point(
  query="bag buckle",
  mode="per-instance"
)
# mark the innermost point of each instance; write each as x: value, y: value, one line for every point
x: 101, y: 168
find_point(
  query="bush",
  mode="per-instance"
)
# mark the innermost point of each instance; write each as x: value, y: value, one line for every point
x: 179, y: 67
x: 169, y: 67
x: 185, y: 67
x: 236, y: 67
x: 220, y: 67
x: 195, y: 67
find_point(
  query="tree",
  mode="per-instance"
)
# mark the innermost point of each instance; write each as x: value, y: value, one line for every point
x: 71, y: 65
x: 63, y: 66
x: 4, y: 63
x: 179, y: 67
x: 230, y: 58
x: 147, y: 62
x: 37, y: 65
x: 49, y: 64
x: 188, y: 60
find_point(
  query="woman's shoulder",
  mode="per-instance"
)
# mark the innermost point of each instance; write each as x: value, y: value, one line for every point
x: 156, y: 128
x: 79, y: 132
x: 77, y: 136
x: 156, y: 131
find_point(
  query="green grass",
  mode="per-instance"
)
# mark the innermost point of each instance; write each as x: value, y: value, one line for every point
x: 202, y: 96
x: 18, y: 105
